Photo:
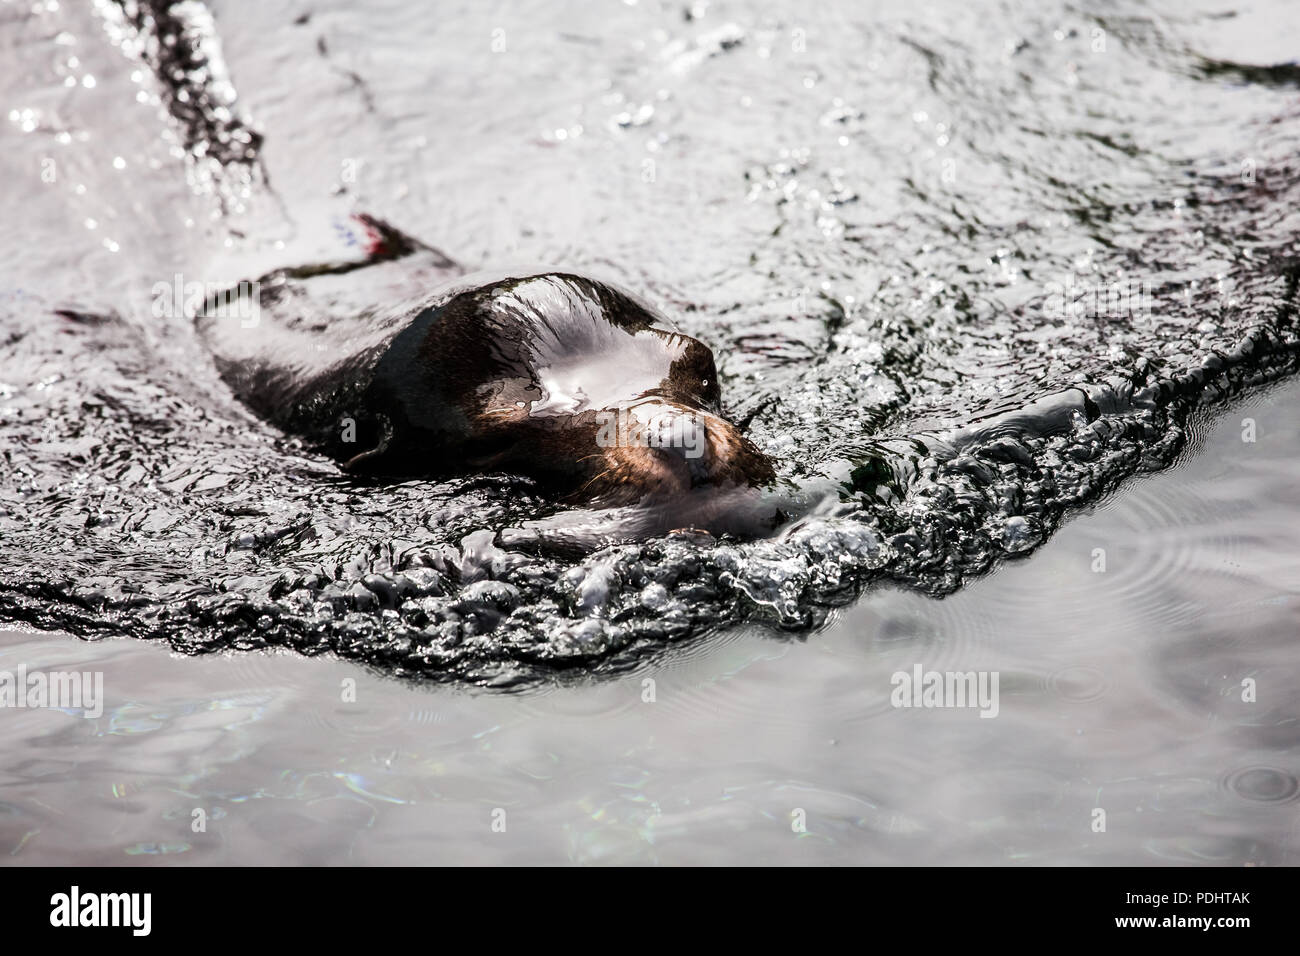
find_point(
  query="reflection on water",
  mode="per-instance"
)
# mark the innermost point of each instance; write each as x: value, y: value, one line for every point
x: 1115, y: 695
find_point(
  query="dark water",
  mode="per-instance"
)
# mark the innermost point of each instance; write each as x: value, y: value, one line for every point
x: 967, y: 269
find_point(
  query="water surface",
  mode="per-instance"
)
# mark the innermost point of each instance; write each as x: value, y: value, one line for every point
x: 970, y: 267
x: 983, y: 270
x: 1120, y: 690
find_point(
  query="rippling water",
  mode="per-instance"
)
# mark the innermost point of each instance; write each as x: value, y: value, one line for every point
x: 970, y: 268
x: 1120, y: 690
